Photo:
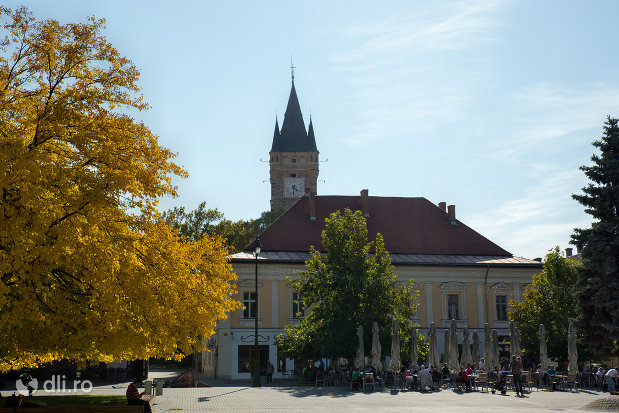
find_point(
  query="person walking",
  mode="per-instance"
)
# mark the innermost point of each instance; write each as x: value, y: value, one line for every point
x: 516, y: 369
x: 270, y: 370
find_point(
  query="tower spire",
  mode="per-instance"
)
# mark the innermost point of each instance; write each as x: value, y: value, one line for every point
x: 292, y: 67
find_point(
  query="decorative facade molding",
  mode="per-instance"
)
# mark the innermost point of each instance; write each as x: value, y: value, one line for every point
x: 453, y: 286
x: 249, y: 283
x: 501, y: 287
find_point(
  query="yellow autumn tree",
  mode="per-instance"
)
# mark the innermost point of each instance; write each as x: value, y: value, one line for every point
x: 88, y: 269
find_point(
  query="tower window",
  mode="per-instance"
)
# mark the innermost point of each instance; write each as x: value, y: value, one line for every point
x: 293, y: 175
x: 294, y: 160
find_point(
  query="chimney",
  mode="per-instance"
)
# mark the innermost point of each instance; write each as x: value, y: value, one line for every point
x: 568, y: 252
x: 451, y: 210
x: 312, y: 206
x: 365, y: 203
x: 443, y: 206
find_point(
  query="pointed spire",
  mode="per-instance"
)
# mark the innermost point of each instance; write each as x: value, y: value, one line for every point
x: 293, y: 137
x: 293, y: 128
x: 311, y: 140
x: 277, y: 141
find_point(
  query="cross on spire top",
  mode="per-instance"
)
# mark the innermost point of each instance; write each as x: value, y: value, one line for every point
x: 292, y: 67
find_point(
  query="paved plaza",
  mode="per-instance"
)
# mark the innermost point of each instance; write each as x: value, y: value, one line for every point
x: 338, y: 399
x: 286, y: 396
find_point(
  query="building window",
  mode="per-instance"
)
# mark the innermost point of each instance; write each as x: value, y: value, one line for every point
x: 297, y: 305
x: 452, y: 307
x: 501, y: 307
x: 249, y: 301
x: 294, y: 160
x: 293, y: 175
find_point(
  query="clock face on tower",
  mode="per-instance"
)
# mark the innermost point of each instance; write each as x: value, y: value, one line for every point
x: 294, y: 187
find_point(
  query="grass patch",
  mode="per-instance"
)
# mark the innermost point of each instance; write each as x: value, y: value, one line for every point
x: 80, y: 400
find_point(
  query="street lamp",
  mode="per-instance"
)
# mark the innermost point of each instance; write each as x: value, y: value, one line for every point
x: 256, y: 379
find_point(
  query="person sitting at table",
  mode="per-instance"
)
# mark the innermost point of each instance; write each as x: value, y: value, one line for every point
x: 425, y: 379
x: 534, y: 372
x: 356, y: 379
x: 436, y: 378
x: 493, y: 375
x: 446, y: 373
x: 482, y: 363
x: 463, y: 378
x: 468, y: 370
x: 550, y: 377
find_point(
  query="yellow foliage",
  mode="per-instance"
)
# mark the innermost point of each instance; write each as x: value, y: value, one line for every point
x: 87, y: 267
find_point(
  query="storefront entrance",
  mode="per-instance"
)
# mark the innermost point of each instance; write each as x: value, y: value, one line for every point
x: 247, y: 357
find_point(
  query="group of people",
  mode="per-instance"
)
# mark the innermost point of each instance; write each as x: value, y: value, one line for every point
x: 609, y: 378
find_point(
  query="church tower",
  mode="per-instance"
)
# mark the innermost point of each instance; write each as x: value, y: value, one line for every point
x: 293, y: 157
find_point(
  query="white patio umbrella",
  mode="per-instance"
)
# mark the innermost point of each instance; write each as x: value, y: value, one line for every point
x: 572, y: 352
x: 494, y: 349
x: 454, y: 364
x: 466, y: 358
x: 514, y: 339
x: 360, y: 359
x: 395, y: 345
x: 475, y: 348
x: 376, y: 348
x: 487, y: 343
x: 433, y: 349
x: 414, y: 354
x: 543, y: 350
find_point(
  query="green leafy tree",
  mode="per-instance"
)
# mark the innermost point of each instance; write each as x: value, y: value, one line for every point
x: 598, y: 282
x: 550, y: 300
x: 347, y: 287
x: 207, y: 221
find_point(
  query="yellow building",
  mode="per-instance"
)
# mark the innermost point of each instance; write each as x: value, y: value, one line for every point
x: 459, y: 273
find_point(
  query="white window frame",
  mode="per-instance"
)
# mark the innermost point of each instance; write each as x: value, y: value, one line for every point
x: 249, y: 303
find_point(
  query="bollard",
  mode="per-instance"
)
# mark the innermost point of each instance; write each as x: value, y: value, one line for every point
x: 148, y: 388
x: 159, y: 388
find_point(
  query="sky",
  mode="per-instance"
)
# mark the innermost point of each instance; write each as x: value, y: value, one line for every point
x: 488, y: 105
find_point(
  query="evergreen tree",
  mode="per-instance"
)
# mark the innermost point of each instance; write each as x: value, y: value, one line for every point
x: 598, y: 282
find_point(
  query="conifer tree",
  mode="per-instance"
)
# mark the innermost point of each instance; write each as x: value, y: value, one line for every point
x: 598, y: 281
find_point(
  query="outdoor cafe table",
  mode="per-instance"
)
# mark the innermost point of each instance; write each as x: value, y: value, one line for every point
x: 412, y: 381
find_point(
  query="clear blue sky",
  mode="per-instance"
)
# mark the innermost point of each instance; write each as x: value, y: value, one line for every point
x: 488, y: 105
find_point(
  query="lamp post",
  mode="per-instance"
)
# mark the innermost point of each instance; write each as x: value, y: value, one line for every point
x: 256, y: 361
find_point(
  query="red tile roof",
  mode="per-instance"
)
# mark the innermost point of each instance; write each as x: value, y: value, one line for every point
x: 408, y: 225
